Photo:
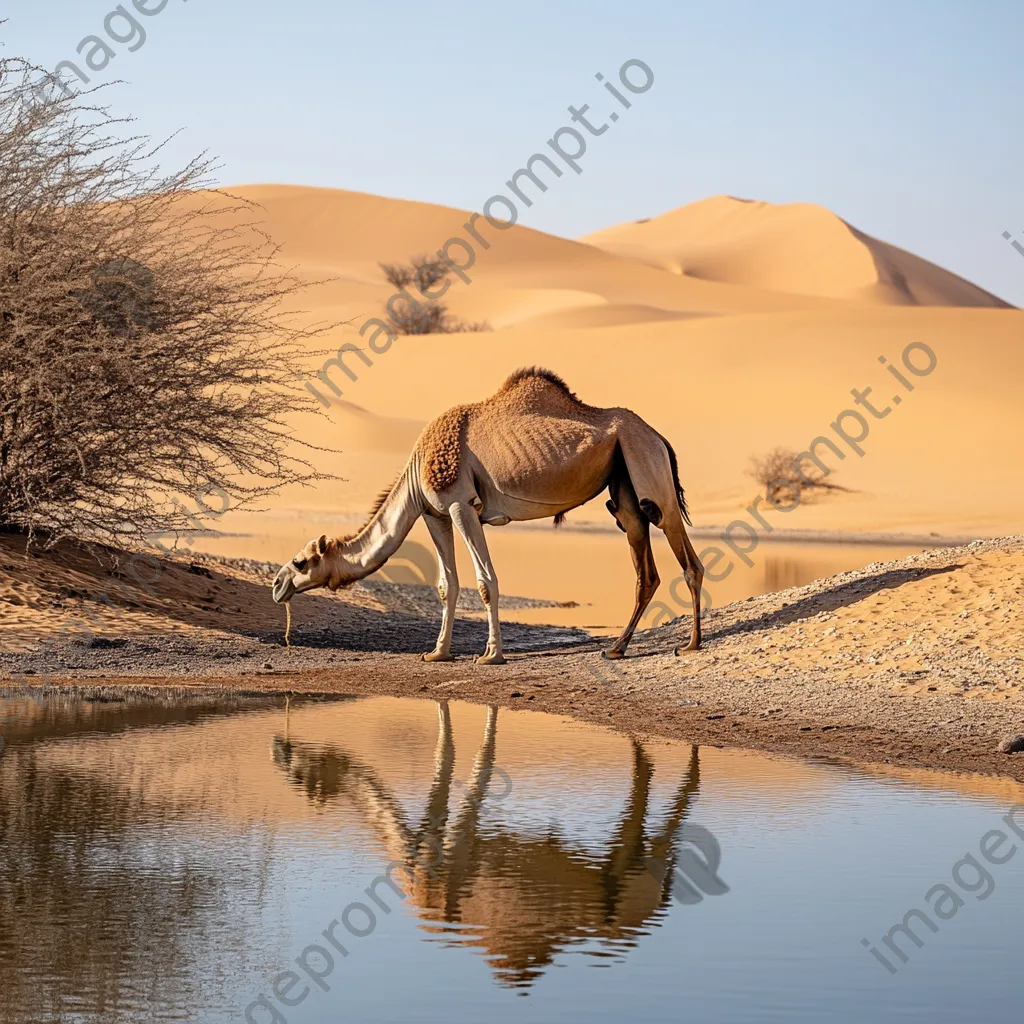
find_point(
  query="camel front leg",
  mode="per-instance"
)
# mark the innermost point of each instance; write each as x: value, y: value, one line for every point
x: 468, y: 524
x: 443, y: 536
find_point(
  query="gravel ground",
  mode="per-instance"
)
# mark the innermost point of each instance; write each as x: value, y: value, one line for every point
x: 915, y: 662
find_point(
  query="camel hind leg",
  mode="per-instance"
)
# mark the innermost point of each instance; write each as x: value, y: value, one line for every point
x: 693, y: 573
x: 625, y: 506
x: 650, y: 472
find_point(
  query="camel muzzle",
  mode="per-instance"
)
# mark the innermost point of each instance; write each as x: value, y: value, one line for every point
x: 283, y: 588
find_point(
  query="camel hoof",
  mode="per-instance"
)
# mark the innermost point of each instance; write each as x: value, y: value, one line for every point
x: 491, y: 659
x: 436, y: 656
x: 687, y: 649
x: 612, y: 654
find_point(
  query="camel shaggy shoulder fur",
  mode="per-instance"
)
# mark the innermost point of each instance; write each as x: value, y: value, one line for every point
x: 531, y: 450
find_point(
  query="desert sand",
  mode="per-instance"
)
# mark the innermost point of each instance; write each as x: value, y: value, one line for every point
x: 799, y: 248
x: 733, y: 326
x: 914, y: 662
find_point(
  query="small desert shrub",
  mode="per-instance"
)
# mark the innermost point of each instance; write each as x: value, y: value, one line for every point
x: 146, y: 354
x: 411, y: 315
x: 787, y: 481
x: 397, y: 275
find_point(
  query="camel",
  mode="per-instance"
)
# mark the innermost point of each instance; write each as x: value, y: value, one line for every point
x: 531, y: 450
x: 521, y: 898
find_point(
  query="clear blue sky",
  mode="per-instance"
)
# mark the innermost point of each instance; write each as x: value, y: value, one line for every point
x: 901, y: 116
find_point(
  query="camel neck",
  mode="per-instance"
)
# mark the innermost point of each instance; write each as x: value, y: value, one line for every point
x: 383, y: 534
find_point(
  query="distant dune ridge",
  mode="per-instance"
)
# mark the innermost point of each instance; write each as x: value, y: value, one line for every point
x: 797, y: 247
x: 733, y: 326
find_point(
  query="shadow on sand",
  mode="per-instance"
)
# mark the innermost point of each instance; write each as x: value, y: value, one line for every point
x: 200, y: 595
x: 829, y: 600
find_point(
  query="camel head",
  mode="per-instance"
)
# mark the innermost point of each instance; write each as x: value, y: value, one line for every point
x: 319, y: 564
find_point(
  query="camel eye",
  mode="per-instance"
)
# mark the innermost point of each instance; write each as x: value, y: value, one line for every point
x: 299, y: 563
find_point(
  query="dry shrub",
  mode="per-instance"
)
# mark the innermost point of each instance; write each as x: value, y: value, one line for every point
x: 397, y: 275
x: 411, y: 315
x: 785, y: 480
x: 146, y: 351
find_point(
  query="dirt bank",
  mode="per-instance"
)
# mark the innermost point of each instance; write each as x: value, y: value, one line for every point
x: 915, y: 662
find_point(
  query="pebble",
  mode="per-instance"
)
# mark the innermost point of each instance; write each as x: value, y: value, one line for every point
x: 1012, y: 744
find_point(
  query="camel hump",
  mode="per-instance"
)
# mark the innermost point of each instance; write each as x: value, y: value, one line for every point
x: 547, y: 412
x: 532, y: 385
x: 440, y: 448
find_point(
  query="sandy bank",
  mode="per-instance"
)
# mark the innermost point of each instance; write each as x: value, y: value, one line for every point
x: 913, y: 662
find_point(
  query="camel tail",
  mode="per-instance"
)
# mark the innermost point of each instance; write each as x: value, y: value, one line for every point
x: 680, y: 495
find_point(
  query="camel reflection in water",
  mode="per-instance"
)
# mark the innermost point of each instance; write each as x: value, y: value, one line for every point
x: 521, y: 898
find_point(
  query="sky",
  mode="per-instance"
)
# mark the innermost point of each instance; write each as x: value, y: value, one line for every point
x: 900, y: 116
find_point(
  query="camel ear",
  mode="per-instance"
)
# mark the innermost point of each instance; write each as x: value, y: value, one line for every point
x: 321, y: 544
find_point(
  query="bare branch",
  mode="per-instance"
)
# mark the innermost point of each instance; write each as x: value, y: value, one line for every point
x: 147, y: 345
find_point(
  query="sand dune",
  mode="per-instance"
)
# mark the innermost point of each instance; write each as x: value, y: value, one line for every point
x: 521, y: 273
x: 605, y: 315
x: 731, y: 326
x: 723, y: 389
x: 368, y: 432
x: 797, y: 247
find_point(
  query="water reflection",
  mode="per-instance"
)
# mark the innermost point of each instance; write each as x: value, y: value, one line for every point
x: 117, y: 896
x: 783, y: 573
x: 519, y: 898
x: 97, y: 915
x: 164, y: 861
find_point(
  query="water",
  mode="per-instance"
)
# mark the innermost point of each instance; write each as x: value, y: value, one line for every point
x: 169, y: 861
x: 590, y: 569
x: 596, y: 571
